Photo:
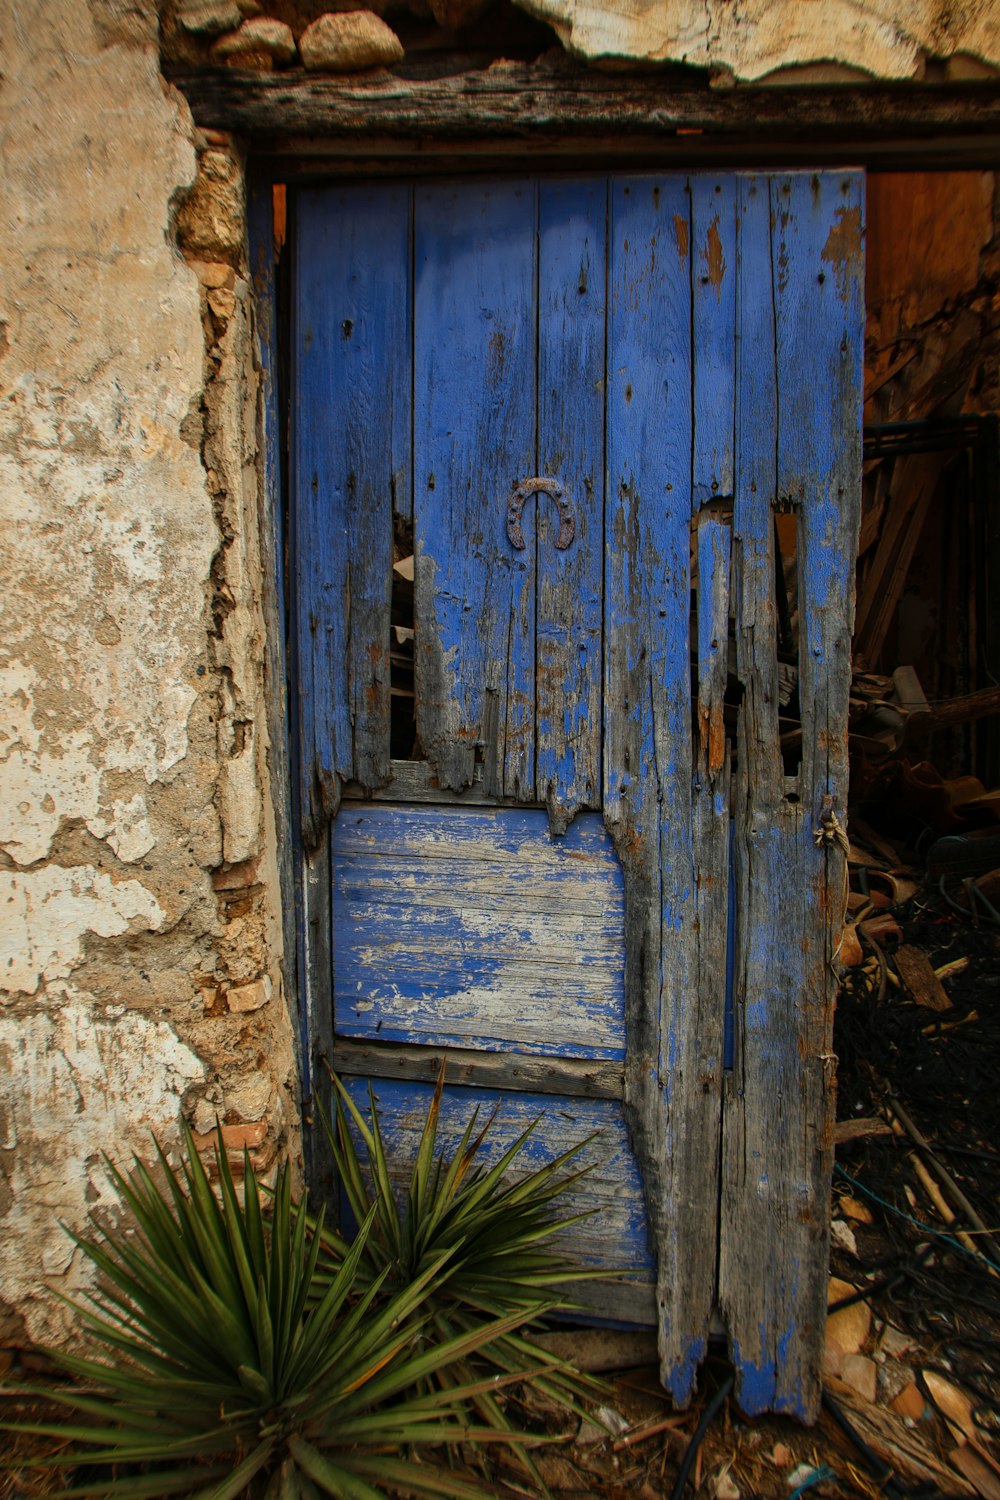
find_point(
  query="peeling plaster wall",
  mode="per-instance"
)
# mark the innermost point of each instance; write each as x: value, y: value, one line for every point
x: 752, y: 38
x: 139, y: 938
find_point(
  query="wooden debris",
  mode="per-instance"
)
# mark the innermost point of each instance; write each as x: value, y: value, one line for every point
x: 910, y: 1403
x: 973, y: 1467
x: 953, y: 1404
x: 902, y: 1447
x: 600, y: 1349
x: 917, y: 973
x: 856, y: 1130
x: 859, y: 1372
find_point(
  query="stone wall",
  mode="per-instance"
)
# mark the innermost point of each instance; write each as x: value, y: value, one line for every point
x: 140, y: 975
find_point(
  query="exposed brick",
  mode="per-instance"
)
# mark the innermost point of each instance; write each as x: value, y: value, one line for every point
x: 234, y: 1137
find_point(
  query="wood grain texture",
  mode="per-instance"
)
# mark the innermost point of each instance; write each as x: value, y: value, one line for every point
x: 572, y: 108
x: 351, y: 456
x: 263, y: 271
x: 475, y: 928
x: 474, y: 441
x: 572, y: 271
x: 647, y: 737
x: 798, y: 442
x: 614, y: 1234
x: 522, y: 1072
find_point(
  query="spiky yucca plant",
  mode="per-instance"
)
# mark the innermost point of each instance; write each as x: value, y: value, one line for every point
x: 225, y: 1367
x: 491, y: 1234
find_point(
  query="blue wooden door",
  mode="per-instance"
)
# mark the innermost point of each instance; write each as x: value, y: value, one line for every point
x: 574, y: 409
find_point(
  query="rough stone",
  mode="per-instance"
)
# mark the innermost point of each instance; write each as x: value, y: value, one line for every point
x: 258, y: 37
x: 349, y: 43
x: 753, y: 38
x: 210, y: 220
x: 210, y: 19
x: 249, y: 997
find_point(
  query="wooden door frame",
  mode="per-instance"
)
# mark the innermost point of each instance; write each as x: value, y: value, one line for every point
x: 566, y: 118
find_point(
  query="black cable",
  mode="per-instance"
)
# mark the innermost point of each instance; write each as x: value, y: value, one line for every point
x: 703, y: 1425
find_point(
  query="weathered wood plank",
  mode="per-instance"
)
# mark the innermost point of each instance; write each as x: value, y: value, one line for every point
x: 263, y: 270
x: 571, y: 107
x: 572, y: 272
x: 701, y: 1020
x: 474, y: 442
x: 798, y: 444
x: 351, y: 455
x: 613, y: 1236
x: 477, y: 929
x: 647, y: 730
x: 521, y: 1072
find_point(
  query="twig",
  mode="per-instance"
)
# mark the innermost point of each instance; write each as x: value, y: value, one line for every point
x: 942, y: 1174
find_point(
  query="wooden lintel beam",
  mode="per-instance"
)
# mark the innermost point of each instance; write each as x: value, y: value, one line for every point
x: 561, y: 109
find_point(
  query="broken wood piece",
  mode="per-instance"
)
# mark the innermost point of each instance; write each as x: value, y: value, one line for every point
x: 949, y: 712
x: 881, y: 928
x: 946, y: 1180
x: 952, y: 1404
x: 903, y: 1448
x: 969, y: 1462
x: 917, y: 973
x: 599, y: 1349
x: 849, y: 953
x: 845, y: 1131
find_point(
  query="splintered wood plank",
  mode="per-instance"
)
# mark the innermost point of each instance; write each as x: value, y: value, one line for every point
x: 612, y: 1236
x: 798, y: 443
x: 474, y: 442
x: 701, y: 1022
x: 571, y: 336
x: 647, y: 734
x: 713, y: 273
x: 476, y: 928
x: 351, y: 456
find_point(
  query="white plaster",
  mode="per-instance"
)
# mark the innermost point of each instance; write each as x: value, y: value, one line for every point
x: 46, y: 913
x: 76, y: 1083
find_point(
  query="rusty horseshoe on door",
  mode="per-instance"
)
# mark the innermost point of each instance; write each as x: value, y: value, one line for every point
x: 567, y: 521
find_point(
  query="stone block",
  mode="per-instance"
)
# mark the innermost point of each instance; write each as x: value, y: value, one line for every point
x: 349, y: 43
x: 244, y: 998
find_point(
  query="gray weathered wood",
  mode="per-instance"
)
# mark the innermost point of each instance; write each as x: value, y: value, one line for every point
x: 263, y: 266
x: 571, y: 108
x: 518, y: 1071
x: 317, y: 983
x: 798, y: 444
x: 647, y: 740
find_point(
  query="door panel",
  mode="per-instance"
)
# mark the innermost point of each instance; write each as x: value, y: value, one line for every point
x: 572, y: 296
x: 613, y: 1235
x: 799, y: 443
x: 609, y: 389
x: 474, y: 438
x: 473, y: 927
